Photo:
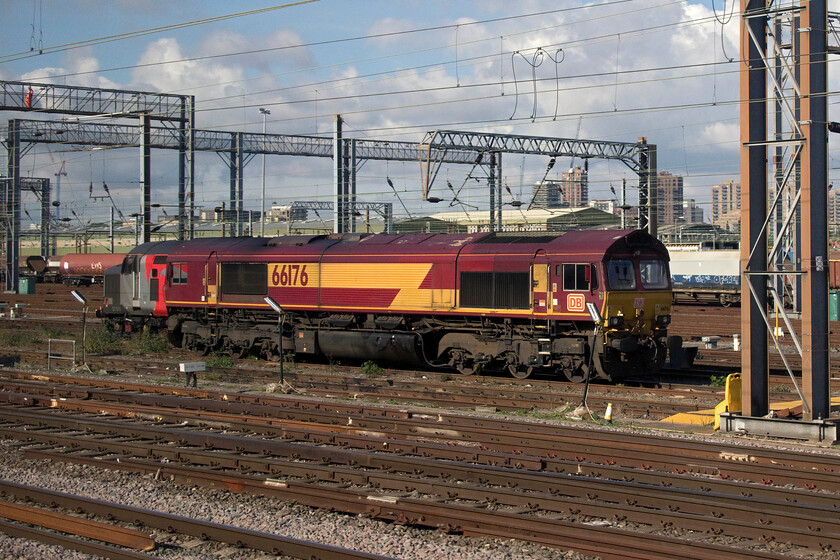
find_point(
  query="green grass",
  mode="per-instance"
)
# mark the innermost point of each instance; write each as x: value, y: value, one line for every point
x: 101, y: 340
x: 371, y: 368
x: 217, y: 359
x: 148, y: 342
x: 15, y: 339
x: 717, y: 380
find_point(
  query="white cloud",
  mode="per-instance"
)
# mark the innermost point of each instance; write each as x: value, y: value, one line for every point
x: 725, y: 135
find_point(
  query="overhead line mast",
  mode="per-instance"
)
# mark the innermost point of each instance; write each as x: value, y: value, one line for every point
x: 784, y: 228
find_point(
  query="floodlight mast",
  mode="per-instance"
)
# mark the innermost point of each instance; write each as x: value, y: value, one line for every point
x: 81, y: 299
x: 593, y: 312
x: 273, y: 304
x: 279, y: 310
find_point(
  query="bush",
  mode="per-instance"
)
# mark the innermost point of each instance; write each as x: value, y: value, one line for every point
x: 149, y: 343
x: 371, y: 368
x: 15, y: 339
x: 218, y: 359
x: 53, y: 332
x: 717, y: 380
x: 103, y: 341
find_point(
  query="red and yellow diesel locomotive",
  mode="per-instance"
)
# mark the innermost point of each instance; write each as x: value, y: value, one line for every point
x: 490, y: 301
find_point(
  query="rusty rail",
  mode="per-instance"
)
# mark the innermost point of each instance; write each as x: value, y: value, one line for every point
x: 239, y: 536
x: 79, y: 526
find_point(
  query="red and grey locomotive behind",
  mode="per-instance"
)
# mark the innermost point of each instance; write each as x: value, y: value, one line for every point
x: 483, y: 301
x: 134, y: 289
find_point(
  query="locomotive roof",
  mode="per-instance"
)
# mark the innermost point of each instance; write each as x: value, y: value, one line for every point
x: 154, y: 248
x: 592, y: 242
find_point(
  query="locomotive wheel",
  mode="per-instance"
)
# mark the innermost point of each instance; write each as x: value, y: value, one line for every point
x: 188, y: 342
x: 574, y: 375
x: 462, y: 361
x: 268, y: 351
x: 467, y: 367
x: 520, y: 371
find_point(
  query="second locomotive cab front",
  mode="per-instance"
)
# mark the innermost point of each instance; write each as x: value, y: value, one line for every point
x: 478, y: 302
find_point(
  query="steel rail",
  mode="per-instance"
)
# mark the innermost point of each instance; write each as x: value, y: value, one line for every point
x: 469, y: 397
x: 739, y: 515
x: 70, y: 542
x: 427, y: 465
x: 79, y: 526
x: 220, y: 532
x: 606, y: 542
x: 206, y: 442
x: 536, y: 446
x: 448, y: 393
x: 408, y: 465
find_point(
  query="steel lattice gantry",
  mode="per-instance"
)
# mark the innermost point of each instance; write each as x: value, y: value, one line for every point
x: 79, y: 100
x: 639, y: 157
x: 176, y: 112
x: 173, y: 110
x: 11, y: 202
x: 784, y: 203
x: 237, y: 148
x: 384, y: 209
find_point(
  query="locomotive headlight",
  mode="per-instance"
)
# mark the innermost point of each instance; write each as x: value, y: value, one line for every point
x: 616, y: 322
x: 663, y: 320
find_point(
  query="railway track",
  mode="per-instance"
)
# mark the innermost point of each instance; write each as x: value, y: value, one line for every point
x: 53, y: 307
x: 475, y: 475
x: 602, y: 493
x: 242, y: 538
x: 469, y: 393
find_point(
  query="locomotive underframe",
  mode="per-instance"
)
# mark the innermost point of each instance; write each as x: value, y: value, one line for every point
x: 468, y: 344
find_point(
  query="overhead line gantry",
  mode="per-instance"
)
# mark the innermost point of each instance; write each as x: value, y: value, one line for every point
x: 640, y: 157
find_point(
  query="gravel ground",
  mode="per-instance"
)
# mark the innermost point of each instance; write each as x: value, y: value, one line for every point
x: 243, y: 510
x: 286, y: 519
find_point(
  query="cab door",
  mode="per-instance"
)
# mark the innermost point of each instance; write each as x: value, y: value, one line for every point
x: 211, y: 288
x: 541, y: 303
x: 132, y: 264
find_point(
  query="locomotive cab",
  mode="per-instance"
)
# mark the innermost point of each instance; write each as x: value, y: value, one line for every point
x: 635, y: 314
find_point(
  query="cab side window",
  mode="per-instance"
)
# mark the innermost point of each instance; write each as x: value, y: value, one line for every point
x: 179, y: 273
x: 578, y: 277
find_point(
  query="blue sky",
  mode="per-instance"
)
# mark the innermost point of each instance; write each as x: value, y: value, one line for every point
x: 614, y: 70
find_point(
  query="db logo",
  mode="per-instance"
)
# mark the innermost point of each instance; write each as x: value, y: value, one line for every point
x: 575, y: 302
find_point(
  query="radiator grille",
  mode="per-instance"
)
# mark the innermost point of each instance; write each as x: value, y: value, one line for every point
x: 496, y: 290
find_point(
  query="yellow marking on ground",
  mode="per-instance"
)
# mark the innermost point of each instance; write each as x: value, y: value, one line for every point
x: 730, y: 403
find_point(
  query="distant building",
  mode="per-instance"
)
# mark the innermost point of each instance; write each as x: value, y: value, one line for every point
x: 575, y: 187
x: 284, y: 213
x: 536, y: 219
x: 547, y: 195
x: 571, y: 191
x: 669, y: 199
x: 630, y: 214
x: 610, y: 206
x: 726, y: 205
x: 833, y: 212
x: 692, y: 213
